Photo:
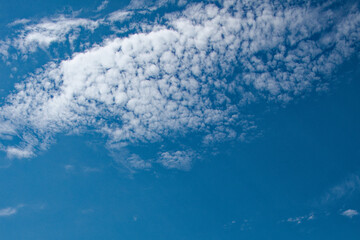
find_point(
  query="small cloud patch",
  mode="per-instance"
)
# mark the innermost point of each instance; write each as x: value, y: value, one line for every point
x: 350, y: 213
x: 181, y: 160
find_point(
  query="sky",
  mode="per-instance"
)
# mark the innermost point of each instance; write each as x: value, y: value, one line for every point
x: 176, y: 119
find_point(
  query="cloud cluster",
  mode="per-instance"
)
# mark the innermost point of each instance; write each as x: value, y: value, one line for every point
x: 193, y: 72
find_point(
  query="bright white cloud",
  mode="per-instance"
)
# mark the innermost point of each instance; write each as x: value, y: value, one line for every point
x: 4, y: 47
x: 177, y: 77
x: 350, y: 213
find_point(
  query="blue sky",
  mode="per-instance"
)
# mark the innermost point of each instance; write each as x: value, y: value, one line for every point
x: 179, y: 120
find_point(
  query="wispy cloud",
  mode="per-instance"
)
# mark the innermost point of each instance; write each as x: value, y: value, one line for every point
x: 130, y: 161
x: 5, y: 212
x: 102, y: 6
x: 4, y: 48
x: 9, y: 211
x: 350, y: 213
x: 243, y: 225
x: 19, y: 22
x: 69, y: 168
x: 136, y: 162
x: 176, y: 76
x: 120, y: 15
x: 40, y: 35
x: 301, y: 219
x: 346, y: 188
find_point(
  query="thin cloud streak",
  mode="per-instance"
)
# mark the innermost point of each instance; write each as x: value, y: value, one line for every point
x: 346, y: 188
x: 102, y: 6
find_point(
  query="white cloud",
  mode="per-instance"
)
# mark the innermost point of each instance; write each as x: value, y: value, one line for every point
x: 125, y: 159
x: 181, y: 160
x: 102, y: 6
x: 300, y: 219
x: 136, y: 162
x: 18, y: 152
x: 6, y: 129
x: 9, y: 211
x: 350, y: 213
x: 311, y: 217
x: 4, y: 48
x: 178, y: 77
x: 139, y: 4
x: 41, y: 35
x: 5, y: 212
x: 120, y: 15
x: 153, y: 5
x: 19, y: 22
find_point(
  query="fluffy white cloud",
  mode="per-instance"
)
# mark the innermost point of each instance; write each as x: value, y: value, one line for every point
x: 350, y: 213
x: 178, y: 76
